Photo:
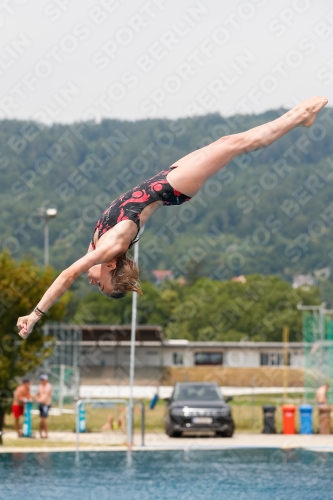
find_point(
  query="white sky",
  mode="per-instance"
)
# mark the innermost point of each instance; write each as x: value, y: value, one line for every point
x: 68, y: 60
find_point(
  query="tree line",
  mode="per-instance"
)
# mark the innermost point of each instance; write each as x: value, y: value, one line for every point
x: 202, y: 310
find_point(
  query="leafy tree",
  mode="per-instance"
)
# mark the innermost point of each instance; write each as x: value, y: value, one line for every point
x: 94, y: 308
x: 232, y: 311
x: 194, y: 271
x: 210, y: 310
x: 21, y: 287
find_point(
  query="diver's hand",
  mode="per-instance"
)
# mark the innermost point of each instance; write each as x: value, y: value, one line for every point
x: 26, y: 324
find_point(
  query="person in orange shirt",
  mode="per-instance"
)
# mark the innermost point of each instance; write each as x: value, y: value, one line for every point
x: 21, y: 394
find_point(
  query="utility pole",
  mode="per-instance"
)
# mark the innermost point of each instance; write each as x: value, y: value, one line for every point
x: 285, y: 335
x: 47, y: 214
x: 132, y: 353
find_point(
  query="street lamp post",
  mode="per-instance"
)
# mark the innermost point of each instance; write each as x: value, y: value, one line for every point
x: 132, y: 352
x: 47, y: 213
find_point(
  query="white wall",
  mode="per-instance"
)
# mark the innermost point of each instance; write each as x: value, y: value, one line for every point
x: 151, y: 356
x: 297, y: 359
x: 242, y: 357
x: 231, y: 357
x: 186, y: 353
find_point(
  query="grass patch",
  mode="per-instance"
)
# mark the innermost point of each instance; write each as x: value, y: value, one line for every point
x: 247, y: 413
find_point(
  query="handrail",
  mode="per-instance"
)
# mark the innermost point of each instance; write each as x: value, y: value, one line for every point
x: 141, y: 403
x: 123, y: 401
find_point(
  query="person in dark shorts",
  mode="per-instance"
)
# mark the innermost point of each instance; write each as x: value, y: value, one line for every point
x: 44, y: 398
x: 107, y: 263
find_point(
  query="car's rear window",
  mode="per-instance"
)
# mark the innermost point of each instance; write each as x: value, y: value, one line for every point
x: 197, y: 393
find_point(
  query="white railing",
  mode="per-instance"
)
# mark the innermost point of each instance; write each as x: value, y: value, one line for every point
x: 111, y: 401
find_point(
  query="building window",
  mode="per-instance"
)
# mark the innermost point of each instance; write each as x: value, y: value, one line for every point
x: 273, y: 359
x: 152, y: 353
x: 177, y: 358
x: 208, y: 358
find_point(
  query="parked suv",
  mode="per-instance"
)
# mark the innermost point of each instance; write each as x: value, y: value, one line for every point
x: 198, y: 407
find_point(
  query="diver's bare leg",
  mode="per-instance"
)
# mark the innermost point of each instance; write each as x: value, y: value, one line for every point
x: 194, y: 169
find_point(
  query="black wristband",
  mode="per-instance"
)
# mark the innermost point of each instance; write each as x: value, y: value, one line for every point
x: 39, y: 312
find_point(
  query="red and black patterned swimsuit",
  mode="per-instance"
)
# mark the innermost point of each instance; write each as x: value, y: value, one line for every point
x: 130, y: 204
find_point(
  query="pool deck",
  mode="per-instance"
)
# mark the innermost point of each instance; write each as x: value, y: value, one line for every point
x: 116, y: 441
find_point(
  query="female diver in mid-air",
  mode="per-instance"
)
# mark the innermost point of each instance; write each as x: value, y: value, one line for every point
x: 106, y: 263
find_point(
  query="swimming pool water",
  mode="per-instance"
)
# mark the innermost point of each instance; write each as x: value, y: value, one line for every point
x: 240, y: 474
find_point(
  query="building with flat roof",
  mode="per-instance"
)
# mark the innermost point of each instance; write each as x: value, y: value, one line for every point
x: 103, y: 351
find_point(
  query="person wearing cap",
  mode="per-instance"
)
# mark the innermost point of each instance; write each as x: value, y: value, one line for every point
x: 21, y: 395
x: 44, y: 398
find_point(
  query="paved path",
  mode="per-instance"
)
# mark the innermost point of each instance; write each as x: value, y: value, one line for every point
x: 65, y: 441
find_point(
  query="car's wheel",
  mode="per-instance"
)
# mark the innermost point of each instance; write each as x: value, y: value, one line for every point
x: 228, y: 433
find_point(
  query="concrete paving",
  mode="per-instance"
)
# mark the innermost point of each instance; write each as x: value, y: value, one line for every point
x: 65, y: 441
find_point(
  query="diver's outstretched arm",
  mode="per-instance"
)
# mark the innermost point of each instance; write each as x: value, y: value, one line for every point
x: 102, y: 254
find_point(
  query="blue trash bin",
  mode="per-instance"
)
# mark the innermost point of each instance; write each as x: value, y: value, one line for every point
x: 82, y: 418
x: 27, y: 420
x: 305, y: 413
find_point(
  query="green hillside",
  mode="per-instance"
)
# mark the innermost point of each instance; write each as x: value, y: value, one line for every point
x: 268, y: 212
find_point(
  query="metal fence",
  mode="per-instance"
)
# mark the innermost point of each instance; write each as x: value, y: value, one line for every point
x: 63, y: 367
x: 318, y: 338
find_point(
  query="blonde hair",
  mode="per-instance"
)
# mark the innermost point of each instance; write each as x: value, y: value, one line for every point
x: 125, y: 278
